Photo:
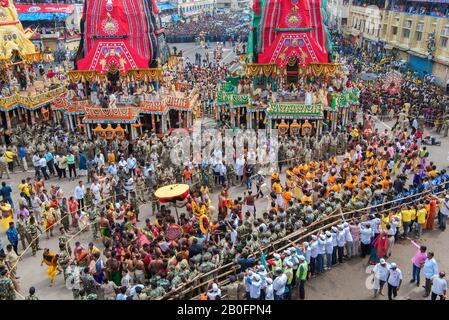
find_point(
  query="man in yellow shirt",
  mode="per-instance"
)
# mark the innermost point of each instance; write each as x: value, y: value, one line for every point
x: 421, y: 216
x: 406, y: 214
x: 9, y: 156
x: 25, y: 189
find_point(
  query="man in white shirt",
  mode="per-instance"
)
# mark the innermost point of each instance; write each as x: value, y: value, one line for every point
x: 341, y: 241
x: 444, y: 213
x: 79, y: 194
x: 365, y: 238
x: 381, y: 272
x: 43, y: 165
x: 122, y: 163
x: 132, y: 165
x: 269, y: 294
x: 394, y: 281
x: 255, y: 286
x: 36, y: 164
x: 279, y: 284
x: 430, y: 269
x: 96, y: 189
x: 349, y: 240
x: 439, y: 286
x: 214, y: 292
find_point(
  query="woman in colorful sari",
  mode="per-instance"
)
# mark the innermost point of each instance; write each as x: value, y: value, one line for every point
x: 51, y: 260
x: 379, y: 248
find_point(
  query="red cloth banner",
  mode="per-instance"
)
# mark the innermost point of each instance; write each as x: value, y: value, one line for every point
x: 46, y: 8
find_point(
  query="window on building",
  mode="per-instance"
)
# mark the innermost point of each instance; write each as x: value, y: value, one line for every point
x: 406, y: 33
x: 394, y: 31
x: 445, y: 31
x: 418, y: 36
x: 408, y: 24
x: 444, y: 41
x: 420, y: 26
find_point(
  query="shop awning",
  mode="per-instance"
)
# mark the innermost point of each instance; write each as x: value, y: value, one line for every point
x: 29, y: 12
x: 166, y: 6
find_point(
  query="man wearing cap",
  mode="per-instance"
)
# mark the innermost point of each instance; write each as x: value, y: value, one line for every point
x: 394, y: 281
x: 288, y: 271
x: 381, y: 272
x: 334, y: 244
x: 321, y: 252
x: 307, y: 253
x: 213, y: 292
x: 349, y: 240
x: 313, y: 254
x: 279, y: 284
x: 269, y: 294
x: 255, y: 283
x: 341, y: 241
x: 329, y: 249
x: 365, y: 238
x: 263, y: 277
x: 301, y: 275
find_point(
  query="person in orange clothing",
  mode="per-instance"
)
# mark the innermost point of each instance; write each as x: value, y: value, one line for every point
x: 332, y: 178
x: 277, y: 189
x: 385, y: 183
x: 351, y: 183
x: 336, y: 187
x: 287, y: 195
x: 111, y: 157
x: 432, y: 212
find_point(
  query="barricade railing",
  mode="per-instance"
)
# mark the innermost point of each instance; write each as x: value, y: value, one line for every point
x: 194, y: 287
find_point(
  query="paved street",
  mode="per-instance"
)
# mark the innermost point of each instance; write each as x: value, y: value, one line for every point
x: 189, y: 50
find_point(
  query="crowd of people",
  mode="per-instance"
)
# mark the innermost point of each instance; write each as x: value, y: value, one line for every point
x: 390, y: 172
x: 218, y: 27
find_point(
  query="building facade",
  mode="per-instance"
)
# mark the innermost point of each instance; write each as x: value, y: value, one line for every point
x: 364, y: 22
x: 338, y: 14
x: 191, y: 8
x: 233, y: 5
x: 410, y: 34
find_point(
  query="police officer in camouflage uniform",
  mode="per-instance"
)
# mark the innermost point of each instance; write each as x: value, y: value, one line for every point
x: 6, y: 285
x: 63, y: 241
x: 32, y: 295
x: 32, y: 229
x: 154, y: 202
x: 21, y: 230
x: 134, y: 202
x: 64, y: 259
x: 154, y: 291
